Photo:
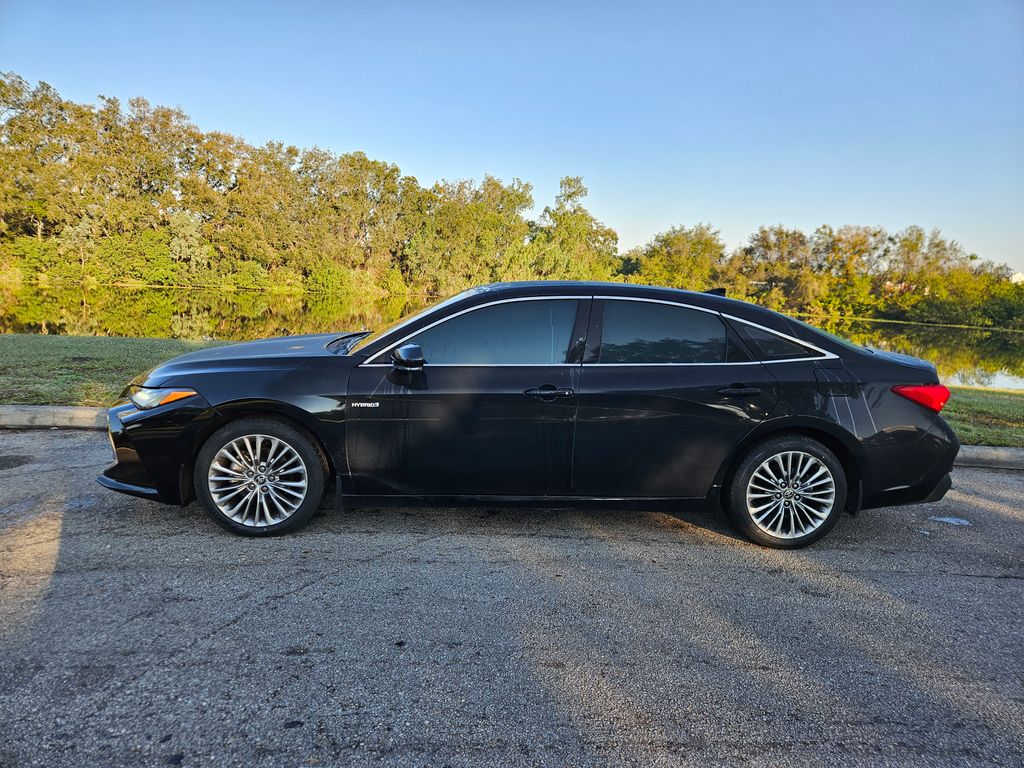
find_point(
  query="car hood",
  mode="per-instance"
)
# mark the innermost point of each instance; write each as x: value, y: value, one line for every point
x: 283, y: 346
x: 284, y: 352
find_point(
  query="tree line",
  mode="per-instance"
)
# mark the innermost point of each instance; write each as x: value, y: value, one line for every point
x: 136, y: 194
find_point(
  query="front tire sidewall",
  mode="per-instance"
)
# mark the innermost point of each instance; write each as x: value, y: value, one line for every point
x: 737, y: 499
x: 282, y: 431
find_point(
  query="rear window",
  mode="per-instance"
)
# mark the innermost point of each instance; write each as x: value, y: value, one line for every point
x: 768, y: 346
x: 833, y: 337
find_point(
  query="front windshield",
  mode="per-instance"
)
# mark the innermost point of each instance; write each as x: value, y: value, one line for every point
x: 833, y: 337
x: 372, y: 337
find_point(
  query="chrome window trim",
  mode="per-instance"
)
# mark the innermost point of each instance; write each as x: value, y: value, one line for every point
x: 823, y: 354
x: 674, y: 365
x: 603, y: 365
x: 480, y: 365
x: 370, y: 364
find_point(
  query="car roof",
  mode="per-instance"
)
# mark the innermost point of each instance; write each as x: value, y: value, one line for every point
x: 586, y: 287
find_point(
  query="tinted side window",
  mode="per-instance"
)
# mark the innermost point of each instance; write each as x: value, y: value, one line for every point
x: 520, y: 332
x: 643, y: 332
x: 767, y: 346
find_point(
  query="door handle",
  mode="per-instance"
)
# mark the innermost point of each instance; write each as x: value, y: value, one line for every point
x: 738, y: 391
x: 549, y: 392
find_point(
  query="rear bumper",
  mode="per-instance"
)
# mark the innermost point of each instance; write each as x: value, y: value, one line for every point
x: 933, y: 456
x: 939, y: 490
x: 922, y: 493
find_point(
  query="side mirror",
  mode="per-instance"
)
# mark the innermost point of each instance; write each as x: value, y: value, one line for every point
x: 408, y: 358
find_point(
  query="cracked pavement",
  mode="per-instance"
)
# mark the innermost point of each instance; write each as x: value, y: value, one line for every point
x: 137, y: 634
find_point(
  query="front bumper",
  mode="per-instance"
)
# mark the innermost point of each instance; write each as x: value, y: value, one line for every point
x: 142, y: 491
x: 153, y: 449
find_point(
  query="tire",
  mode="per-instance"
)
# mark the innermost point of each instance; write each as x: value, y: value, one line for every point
x: 250, y: 501
x: 804, y: 502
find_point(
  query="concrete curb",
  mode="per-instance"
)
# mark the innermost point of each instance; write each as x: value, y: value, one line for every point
x: 989, y: 457
x: 80, y: 417
x: 47, y: 416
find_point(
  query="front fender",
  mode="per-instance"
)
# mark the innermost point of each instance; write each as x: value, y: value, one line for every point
x: 325, y: 423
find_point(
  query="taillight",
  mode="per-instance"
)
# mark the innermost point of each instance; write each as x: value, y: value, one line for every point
x: 931, y: 396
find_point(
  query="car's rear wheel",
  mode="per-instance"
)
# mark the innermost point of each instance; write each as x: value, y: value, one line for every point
x: 259, y: 477
x: 787, y: 492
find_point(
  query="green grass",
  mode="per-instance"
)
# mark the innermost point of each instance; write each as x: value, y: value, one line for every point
x: 92, y: 370
x: 987, y: 416
x: 77, y: 370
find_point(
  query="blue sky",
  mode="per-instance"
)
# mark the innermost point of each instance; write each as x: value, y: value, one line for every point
x: 735, y: 113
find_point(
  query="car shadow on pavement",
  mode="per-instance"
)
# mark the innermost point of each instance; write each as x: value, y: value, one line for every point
x: 137, y: 633
x: 805, y: 654
x: 706, y: 517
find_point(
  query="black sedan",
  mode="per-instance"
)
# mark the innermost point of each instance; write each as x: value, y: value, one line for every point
x: 553, y: 393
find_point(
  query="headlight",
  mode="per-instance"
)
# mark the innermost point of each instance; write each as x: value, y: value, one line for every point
x: 146, y: 398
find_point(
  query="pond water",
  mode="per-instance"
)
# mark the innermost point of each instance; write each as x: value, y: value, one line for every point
x: 984, y: 358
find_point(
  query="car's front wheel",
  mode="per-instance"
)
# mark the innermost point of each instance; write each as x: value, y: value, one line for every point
x: 259, y: 477
x: 787, y: 492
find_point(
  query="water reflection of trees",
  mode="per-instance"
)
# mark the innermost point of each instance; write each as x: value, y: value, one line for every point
x: 971, y: 355
x: 974, y: 356
x: 175, y: 313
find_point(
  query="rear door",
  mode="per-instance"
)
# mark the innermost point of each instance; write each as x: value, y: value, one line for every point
x: 666, y: 392
x: 491, y: 413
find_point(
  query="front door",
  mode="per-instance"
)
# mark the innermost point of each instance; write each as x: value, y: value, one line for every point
x: 666, y: 392
x: 491, y: 413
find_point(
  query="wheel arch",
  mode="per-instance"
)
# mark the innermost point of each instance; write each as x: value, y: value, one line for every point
x: 838, y: 440
x: 227, y: 413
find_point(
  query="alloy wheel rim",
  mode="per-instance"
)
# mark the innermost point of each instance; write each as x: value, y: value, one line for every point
x: 790, y: 494
x: 257, y: 480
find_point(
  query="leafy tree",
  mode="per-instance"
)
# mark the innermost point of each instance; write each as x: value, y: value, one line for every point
x: 470, y: 235
x: 187, y: 247
x: 680, y: 258
x: 777, y: 265
x: 137, y: 194
x: 851, y: 258
x: 569, y: 242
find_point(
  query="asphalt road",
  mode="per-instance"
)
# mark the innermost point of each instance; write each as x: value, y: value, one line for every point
x: 136, y: 634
